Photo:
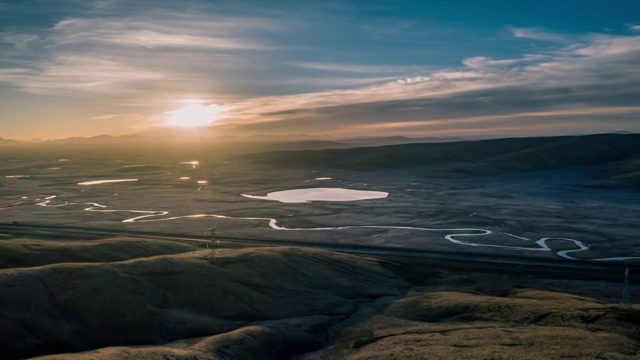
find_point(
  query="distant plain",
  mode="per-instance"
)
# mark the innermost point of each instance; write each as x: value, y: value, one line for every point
x: 526, y: 196
x: 134, y: 294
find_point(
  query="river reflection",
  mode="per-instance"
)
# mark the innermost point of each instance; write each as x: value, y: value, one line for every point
x: 107, y: 181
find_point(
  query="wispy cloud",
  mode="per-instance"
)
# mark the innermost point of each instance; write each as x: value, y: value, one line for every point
x: 356, y: 68
x: 486, y: 63
x: 16, y: 39
x: 322, y: 77
x: 77, y: 74
x: 538, y: 34
x: 595, y: 78
x: 111, y: 55
x: 106, y: 117
x: 608, y: 46
x: 186, y: 33
x: 446, y: 122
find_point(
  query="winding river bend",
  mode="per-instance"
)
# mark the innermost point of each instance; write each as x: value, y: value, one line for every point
x: 458, y: 236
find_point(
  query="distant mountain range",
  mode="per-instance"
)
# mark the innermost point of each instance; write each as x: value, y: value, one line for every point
x: 271, y: 142
x: 187, y: 137
x: 7, y: 142
x: 618, y: 154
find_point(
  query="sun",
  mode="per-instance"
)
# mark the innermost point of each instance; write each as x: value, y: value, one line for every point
x: 196, y: 115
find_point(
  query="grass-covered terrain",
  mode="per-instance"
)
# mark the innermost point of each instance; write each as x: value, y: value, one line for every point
x: 122, y: 296
x: 182, y: 301
x: 481, y: 157
x: 581, y: 187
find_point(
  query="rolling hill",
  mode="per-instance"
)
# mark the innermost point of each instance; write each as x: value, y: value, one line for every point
x: 175, y: 302
x: 512, y: 153
x: 621, y: 152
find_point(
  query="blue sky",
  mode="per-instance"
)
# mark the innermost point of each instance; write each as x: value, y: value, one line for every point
x: 329, y: 69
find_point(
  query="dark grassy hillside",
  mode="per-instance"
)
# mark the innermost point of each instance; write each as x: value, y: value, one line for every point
x: 482, y: 156
x: 524, y: 324
x: 19, y: 253
x: 626, y: 174
x: 81, y: 306
x: 451, y: 316
x: 279, y: 302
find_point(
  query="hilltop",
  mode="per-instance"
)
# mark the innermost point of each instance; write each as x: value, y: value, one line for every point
x: 509, y: 153
x: 612, y: 158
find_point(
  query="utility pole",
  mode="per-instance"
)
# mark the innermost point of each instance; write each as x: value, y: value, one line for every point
x: 626, y: 290
x: 211, y: 232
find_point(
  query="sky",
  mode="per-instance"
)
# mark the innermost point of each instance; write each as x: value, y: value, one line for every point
x: 328, y: 69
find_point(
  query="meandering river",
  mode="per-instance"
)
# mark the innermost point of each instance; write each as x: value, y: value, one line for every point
x: 457, y: 236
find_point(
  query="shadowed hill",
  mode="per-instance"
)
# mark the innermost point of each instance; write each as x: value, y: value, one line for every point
x: 626, y: 174
x: 474, y: 156
x: 74, y: 307
x: 18, y: 253
x: 526, y: 324
x: 523, y: 324
x: 279, y: 302
x: 266, y: 340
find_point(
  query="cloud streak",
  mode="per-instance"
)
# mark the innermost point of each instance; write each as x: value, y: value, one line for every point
x: 17, y: 40
x: 111, y: 55
x: 595, y: 78
x: 287, y: 69
x: 538, y: 34
x: 356, y: 68
x: 192, y: 33
x: 77, y: 74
